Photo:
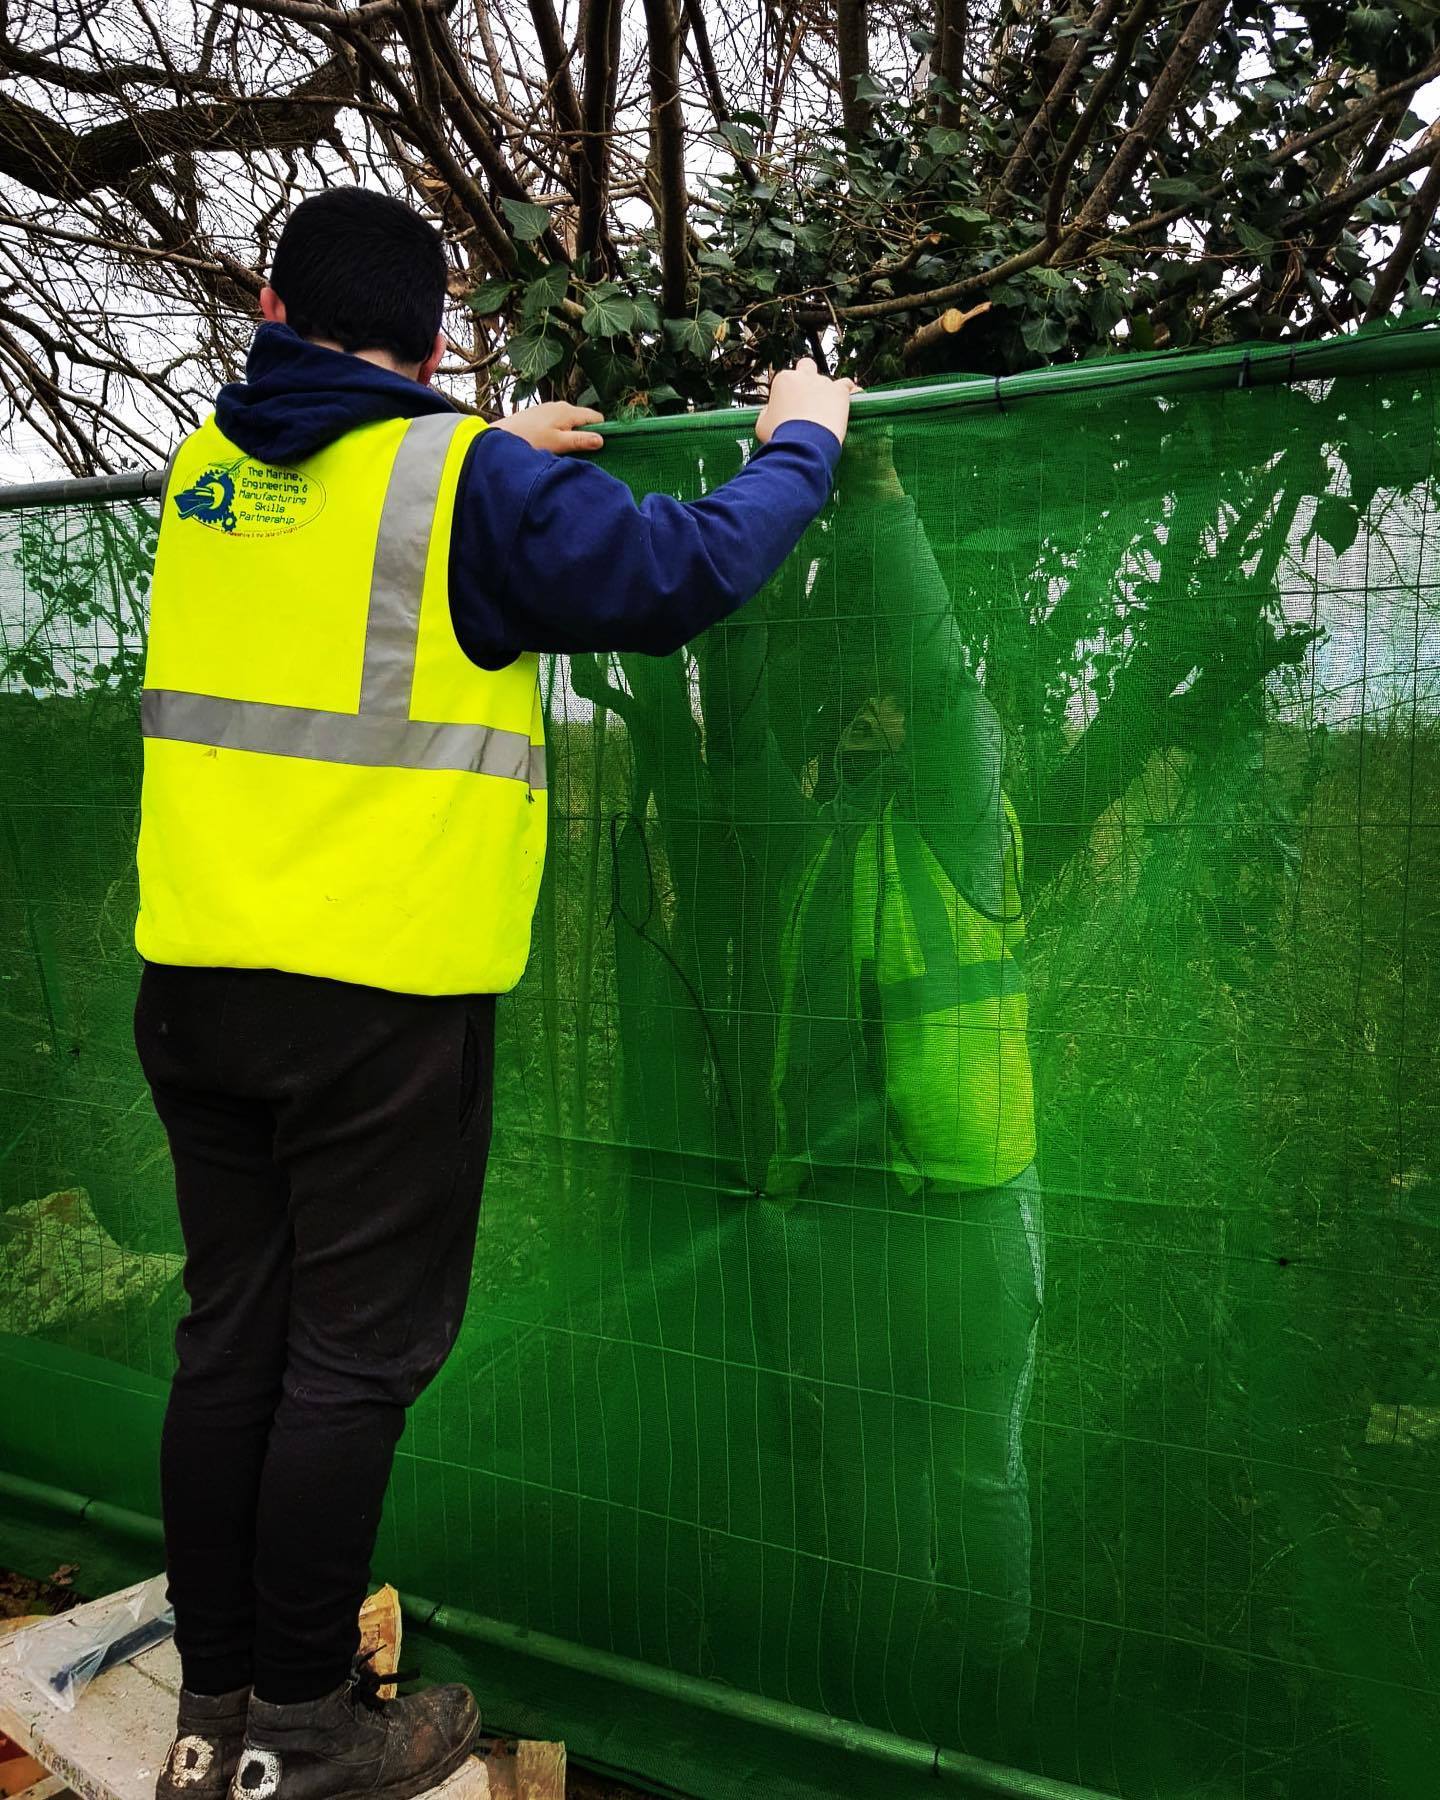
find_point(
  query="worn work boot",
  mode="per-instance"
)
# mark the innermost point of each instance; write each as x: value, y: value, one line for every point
x: 200, y: 1764
x: 351, y: 1745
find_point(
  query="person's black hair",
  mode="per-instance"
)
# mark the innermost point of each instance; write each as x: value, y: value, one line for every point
x: 362, y: 270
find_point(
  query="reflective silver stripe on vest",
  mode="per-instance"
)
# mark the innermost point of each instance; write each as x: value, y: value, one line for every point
x: 382, y: 735
x: 957, y: 984
x: 402, y: 548
x: 366, y: 740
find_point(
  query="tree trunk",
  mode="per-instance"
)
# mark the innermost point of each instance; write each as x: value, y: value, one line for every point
x: 952, y: 26
x: 601, y: 18
x: 667, y: 149
x: 852, y: 48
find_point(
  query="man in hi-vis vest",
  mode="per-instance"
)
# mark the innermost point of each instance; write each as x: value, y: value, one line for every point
x: 903, y: 1186
x: 343, y: 827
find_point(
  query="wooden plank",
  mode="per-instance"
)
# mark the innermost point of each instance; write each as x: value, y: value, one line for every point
x: 18, y: 1775
x: 51, y: 1788
x: 381, y: 1631
x: 541, y: 1768
x: 499, y: 1759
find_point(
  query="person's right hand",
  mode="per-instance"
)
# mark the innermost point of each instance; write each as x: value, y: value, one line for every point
x: 556, y: 426
x: 804, y: 393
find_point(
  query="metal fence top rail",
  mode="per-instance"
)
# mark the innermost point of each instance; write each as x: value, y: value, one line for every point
x: 1414, y: 344
x: 134, y: 484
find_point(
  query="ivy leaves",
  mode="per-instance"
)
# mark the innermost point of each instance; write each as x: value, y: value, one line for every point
x: 545, y: 292
x: 533, y: 355
x: 858, y: 237
x: 527, y: 221
x: 605, y: 342
x: 611, y: 313
x: 697, y: 336
x: 490, y: 296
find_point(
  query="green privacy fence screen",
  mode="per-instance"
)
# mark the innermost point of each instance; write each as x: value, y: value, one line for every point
x: 757, y: 1386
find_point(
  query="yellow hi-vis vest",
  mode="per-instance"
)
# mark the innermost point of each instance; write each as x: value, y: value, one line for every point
x: 331, y: 786
x: 945, y: 981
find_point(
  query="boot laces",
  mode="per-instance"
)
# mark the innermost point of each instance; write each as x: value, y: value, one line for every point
x: 366, y: 1681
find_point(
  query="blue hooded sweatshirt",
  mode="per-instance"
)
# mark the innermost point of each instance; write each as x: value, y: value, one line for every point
x: 549, y: 553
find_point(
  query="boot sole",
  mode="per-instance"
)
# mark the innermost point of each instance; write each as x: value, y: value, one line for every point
x: 415, y: 1785
x: 421, y: 1784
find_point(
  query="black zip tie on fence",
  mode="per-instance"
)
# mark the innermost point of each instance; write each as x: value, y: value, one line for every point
x: 999, y: 397
x: 1243, y: 380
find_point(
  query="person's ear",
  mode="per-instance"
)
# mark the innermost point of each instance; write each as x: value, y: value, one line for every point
x: 272, y: 307
x: 433, y: 360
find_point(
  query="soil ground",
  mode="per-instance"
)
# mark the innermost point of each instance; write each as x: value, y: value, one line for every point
x: 20, y: 1597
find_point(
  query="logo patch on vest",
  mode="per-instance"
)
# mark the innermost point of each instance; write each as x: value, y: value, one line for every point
x: 251, y: 499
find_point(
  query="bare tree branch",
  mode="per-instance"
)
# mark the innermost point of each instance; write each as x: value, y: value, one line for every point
x: 1421, y: 211
x: 46, y: 156
x: 1164, y: 96
x: 1042, y: 126
x: 602, y: 63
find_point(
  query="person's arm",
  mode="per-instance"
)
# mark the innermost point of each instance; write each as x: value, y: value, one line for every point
x: 751, y: 777
x: 953, y: 737
x: 549, y: 553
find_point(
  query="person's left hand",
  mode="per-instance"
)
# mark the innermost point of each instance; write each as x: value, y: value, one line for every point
x: 555, y: 426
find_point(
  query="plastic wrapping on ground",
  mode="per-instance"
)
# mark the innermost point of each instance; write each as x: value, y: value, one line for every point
x: 60, y: 1657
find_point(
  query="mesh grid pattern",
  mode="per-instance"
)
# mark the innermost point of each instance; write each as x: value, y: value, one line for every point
x: 805, y: 1434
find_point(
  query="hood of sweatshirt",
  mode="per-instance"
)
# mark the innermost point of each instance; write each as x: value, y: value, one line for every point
x: 297, y: 397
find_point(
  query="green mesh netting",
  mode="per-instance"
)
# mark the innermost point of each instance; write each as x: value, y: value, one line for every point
x: 752, y: 1387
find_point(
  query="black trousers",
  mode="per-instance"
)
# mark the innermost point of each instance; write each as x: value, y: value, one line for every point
x: 329, y: 1145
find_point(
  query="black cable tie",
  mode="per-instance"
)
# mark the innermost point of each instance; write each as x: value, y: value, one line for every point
x: 1244, y: 380
x: 1290, y: 374
x: 999, y: 397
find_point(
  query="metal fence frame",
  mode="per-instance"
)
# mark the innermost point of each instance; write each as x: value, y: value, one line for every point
x: 1243, y: 365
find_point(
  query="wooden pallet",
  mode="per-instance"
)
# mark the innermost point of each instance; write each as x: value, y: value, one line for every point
x: 111, y: 1745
